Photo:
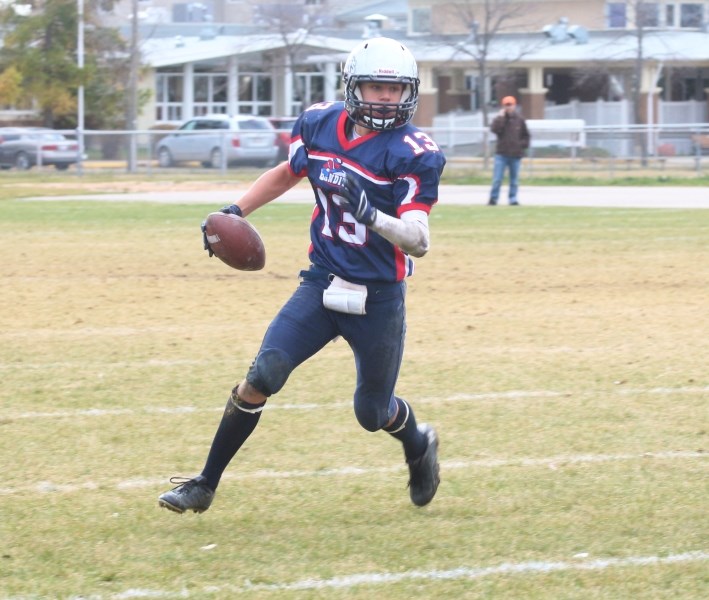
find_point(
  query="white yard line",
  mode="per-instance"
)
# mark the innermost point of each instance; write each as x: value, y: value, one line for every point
x: 551, y: 462
x: 384, y: 578
x: 274, y: 405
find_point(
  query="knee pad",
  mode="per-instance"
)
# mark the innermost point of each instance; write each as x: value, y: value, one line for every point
x: 370, y: 414
x: 270, y: 371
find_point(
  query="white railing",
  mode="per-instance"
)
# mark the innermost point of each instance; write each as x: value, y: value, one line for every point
x: 602, y: 128
x: 599, y: 112
x: 602, y: 112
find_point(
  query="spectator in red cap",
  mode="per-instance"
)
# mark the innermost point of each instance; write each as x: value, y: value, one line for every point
x: 512, y: 141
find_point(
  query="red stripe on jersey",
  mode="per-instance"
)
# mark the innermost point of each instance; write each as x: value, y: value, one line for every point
x: 303, y: 172
x: 410, y: 201
x: 419, y: 206
x: 357, y: 168
x: 400, y: 262
x: 345, y: 142
x: 313, y: 216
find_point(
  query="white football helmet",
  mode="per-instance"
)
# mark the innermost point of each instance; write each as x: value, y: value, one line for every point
x: 383, y: 60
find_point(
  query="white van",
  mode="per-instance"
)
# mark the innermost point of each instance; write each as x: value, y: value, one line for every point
x: 241, y: 139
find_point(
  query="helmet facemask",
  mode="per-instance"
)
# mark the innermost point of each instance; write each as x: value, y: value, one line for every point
x: 381, y: 116
x: 384, y: 61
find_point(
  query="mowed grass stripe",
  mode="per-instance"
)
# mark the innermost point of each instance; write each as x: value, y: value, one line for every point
x: 379, y: 579
x: 551, y: 462
x: 374, y: 579
x: 275, y: 405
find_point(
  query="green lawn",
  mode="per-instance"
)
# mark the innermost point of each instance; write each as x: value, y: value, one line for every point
x: 561, y: 354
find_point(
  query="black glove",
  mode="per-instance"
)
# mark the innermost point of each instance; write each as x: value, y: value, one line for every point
x: 356, y: 201
x: 232, y: 209
x: 207, y: 247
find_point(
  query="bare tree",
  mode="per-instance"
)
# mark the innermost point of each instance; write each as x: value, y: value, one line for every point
x: 295, y: 25
x: 486, y: 21
x: 626, y: 51
x: 638, y: 18
x: 645, y: 14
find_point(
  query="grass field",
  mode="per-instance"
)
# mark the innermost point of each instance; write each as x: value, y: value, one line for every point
x: 561, y: 353
x: 21, y: 184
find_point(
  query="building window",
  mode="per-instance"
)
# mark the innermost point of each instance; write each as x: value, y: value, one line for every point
x: 670, y: 15
x: 191, y: 12
x: 421, y: 20
x: 691, y: 15
x: 309, y: 89
x: 616, y: 15
x: 255, y: 94
x: 210, y: 93
x: 168, y: 97
x: 648, y: 14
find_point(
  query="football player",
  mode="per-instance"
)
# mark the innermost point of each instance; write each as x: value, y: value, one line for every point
x: 375, y: 179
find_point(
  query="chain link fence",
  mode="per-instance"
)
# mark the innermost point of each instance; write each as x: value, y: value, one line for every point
x: 611, y: 151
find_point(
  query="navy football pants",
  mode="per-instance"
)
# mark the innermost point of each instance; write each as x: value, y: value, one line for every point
x: 304, y: 326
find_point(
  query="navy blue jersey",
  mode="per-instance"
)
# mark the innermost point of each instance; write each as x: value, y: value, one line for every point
x: 399, y: 169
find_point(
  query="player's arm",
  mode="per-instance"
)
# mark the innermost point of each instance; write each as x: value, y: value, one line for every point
x: 269, y: 186
x: 410, y: 232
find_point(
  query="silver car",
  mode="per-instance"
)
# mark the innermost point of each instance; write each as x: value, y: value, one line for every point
x: 25, y: 147
x: 241, y: 139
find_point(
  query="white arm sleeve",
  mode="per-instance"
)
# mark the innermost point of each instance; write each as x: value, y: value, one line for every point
x: 410, y: 232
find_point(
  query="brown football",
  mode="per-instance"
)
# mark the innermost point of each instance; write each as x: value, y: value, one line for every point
x: 235, y: 241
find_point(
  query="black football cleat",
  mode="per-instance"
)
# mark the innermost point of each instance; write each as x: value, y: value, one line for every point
x: 424, y: 472
x: 190, y: 494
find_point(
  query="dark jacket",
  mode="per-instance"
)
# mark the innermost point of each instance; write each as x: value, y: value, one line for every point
x: 512, y: 134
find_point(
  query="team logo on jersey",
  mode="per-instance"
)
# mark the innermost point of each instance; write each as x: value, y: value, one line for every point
x: 333, y: 173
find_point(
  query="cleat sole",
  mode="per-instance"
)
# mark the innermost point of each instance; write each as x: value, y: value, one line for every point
x: 170, y: 507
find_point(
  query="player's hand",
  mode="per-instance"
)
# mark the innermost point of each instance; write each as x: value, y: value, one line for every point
x: 231, y: 209
x: 207, y: 247
x: 356, y: 201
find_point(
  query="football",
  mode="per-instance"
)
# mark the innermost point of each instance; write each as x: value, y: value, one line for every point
x: 235, y: 241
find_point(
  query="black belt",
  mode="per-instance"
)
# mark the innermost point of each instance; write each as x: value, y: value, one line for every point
x: 319, y: 273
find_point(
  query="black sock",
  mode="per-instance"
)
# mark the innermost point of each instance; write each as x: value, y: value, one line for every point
x: 405, y: 430
x: 238, y: 422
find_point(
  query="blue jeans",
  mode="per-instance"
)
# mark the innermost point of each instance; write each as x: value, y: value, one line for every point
x: 501, y: 163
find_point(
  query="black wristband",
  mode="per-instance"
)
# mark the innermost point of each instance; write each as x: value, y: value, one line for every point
x: 232, y: 209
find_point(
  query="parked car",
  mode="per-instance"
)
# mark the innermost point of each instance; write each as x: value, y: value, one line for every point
x: 242, y: 139
x: 25, y: 147
x: 284, y: 126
